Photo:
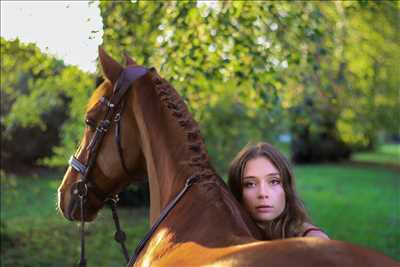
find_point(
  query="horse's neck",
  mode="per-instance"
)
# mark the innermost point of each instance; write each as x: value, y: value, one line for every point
x: 207, y: 214
x: 164, y: 130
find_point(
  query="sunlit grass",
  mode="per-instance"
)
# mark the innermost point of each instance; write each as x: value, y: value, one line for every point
x: 385, y: 154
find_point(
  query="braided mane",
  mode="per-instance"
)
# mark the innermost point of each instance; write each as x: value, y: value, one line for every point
x: 178, y: 109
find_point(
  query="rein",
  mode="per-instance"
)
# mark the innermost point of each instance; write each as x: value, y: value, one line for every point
x: 189, y: 182
x: 80, y: 189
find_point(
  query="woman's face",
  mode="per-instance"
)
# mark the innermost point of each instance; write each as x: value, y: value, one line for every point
x: 263, y: 193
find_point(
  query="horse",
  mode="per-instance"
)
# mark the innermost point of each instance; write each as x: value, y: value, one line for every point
x: 156, y: 137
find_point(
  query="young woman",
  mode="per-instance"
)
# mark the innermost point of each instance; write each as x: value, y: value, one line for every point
x: 261, y: 179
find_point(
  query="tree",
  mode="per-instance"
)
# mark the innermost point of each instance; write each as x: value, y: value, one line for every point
x: 268, y: 64
x: 248, y: 71
x: 207, y: 56
x: 334, y: 102
x: 34, y: 97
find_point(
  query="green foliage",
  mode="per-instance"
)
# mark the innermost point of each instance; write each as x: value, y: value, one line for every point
x: 39, y: 98
x: 272, y: 58
x: 25, y: 71
x: 208, y: 60
x: 248, y: 71
x: 78, y: 87
x: 332, y: 193
x: 31, y: 106
x: 369, y: 51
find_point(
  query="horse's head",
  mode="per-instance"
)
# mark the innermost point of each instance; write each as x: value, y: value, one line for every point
x: 101, y: 167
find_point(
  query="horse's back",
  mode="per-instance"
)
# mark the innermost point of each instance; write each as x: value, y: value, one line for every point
x: 305, y: 252
x: 299, y: 252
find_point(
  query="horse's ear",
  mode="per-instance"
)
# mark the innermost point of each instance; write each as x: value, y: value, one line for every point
x: 111, y: 68
x: 129, y: 61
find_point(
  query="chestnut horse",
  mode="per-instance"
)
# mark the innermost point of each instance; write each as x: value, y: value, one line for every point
x: 206, y: 227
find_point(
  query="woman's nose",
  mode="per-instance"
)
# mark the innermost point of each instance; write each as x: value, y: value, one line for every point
x: 263, y: 191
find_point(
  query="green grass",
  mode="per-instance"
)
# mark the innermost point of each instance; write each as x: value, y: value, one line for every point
x: 34, y: 234
x: 385, y: 154
x: 358, y: 205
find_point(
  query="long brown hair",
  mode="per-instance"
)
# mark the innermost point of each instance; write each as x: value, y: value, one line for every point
x: 291, y: 222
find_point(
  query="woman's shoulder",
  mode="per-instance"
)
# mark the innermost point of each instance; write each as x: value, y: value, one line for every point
x: 312, y: 230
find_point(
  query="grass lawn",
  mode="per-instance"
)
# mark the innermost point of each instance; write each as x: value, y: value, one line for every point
x: 358, y: 205
x: 34, y: 234
x: 354, y: 204
x: 385, y: 154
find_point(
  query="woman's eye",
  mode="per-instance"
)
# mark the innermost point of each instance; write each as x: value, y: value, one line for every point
x: 275, y: 182
x: 249, y: 184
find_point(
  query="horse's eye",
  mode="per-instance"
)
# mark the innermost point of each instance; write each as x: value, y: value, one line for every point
x: 91, y: 123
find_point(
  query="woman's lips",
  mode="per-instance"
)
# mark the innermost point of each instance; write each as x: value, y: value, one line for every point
x: 264, y: 208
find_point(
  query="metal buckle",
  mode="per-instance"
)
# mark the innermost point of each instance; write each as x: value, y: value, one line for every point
x: 106, y: 102
x: 80, y: 189
x: 103, y: 126
x: 112, y: 200
x: 191, y: 180
x: 117, y: 117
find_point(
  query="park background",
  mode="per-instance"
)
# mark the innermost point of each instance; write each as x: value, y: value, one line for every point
x: 320, y: 80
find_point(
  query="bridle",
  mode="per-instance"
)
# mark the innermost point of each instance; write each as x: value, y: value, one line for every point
x: 80, y: 189
x: 114, y: 107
